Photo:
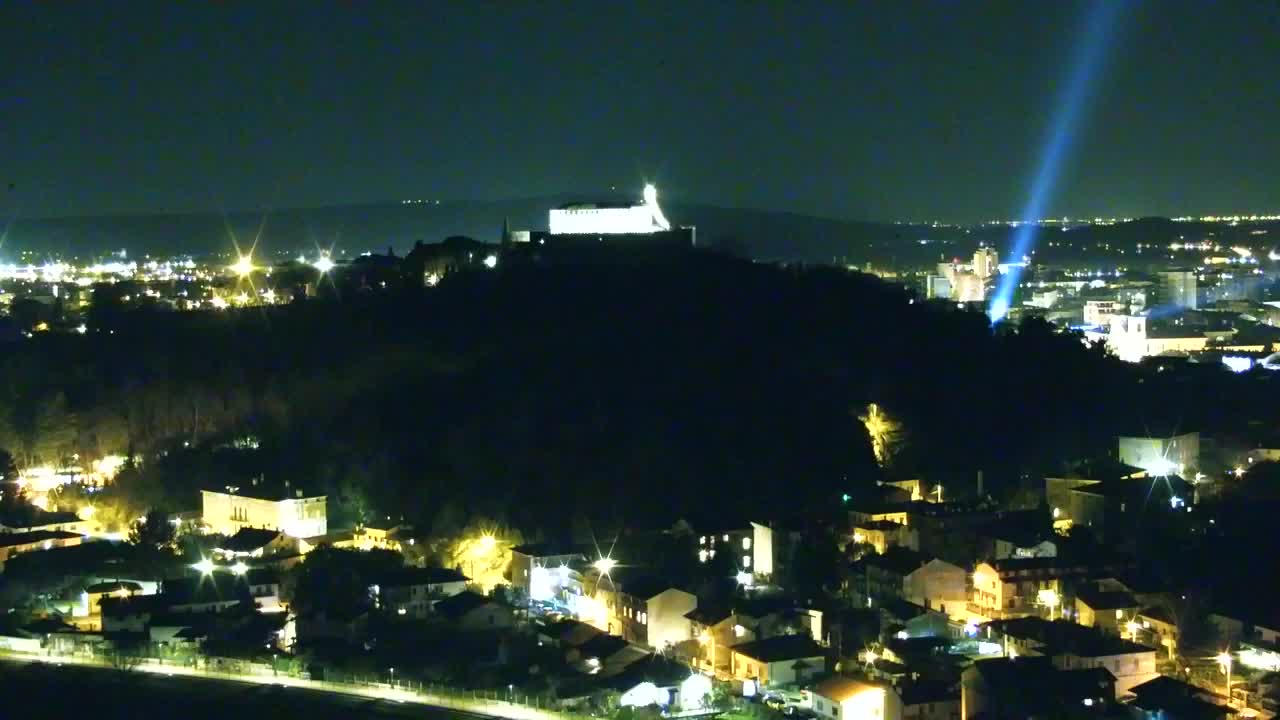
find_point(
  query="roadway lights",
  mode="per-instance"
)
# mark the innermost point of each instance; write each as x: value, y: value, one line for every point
x: 205, y: 566
x: 323, y: 264
x: 605, y: 564
x: 240, y: 568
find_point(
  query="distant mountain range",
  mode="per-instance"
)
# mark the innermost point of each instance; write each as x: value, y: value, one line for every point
x: 759, y: 234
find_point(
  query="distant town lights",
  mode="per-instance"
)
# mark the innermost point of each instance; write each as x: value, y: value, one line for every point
x: 604, y: 565
x: 240, y: 568
x: 205, y: 566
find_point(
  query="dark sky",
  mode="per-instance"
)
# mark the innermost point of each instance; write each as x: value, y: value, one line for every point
x: 876, y: 110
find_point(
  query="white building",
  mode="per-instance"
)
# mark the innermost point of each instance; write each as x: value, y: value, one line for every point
x: 1162, y: 455
x: 610, y: 219
x: 842, y: 698
x: 986, y: 262
x: 1098, y: 312
x: 258, y: 506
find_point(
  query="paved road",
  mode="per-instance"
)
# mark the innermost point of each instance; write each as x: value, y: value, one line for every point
x: 69, y: 690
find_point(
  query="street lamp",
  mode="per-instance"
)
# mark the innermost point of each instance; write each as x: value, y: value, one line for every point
x: 205, y: 566
x: 604, y: 565
x: 1225, y: 660
x: 393, y: 676
x: 240, y: 568
x: 1132, y: 626
x: 243, y: 266
x: 1050, y: 599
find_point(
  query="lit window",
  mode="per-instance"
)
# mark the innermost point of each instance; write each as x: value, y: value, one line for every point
x: 746, y: 543
x: 726, y: 537
x: 746, y: 561
x: 1119, y: 614
x: 702, y: 540
x: 702, y: 556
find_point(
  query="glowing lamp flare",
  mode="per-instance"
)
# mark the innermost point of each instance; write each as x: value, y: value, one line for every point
x: 205, y: 566
x: 243, y: 266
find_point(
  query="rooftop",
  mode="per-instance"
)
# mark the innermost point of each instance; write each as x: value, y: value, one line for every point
x: 115, y: 586
x: 840, y: 689
x: 266, y: 490
x: 35, y: 536
x: 455, y: 606
x: 247, y: 540
x: 898, y: 560
x: 780, y: 647
x: 423, y: 576
x: 549, y: 549
x: 1035, y: 682
x: 1060, y: 637
x: 1097, y: 599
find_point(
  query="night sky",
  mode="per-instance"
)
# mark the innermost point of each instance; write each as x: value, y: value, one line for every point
x: 865, y: 110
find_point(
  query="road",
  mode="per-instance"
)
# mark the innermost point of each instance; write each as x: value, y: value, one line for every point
x: 58, y: 688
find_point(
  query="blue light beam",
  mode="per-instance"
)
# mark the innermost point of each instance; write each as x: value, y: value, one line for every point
x: 1088, y: 59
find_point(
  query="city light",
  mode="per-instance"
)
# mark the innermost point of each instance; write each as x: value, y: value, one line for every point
x: 323, y: 264
x: 240, y: 568
x: 604, y: 565
x: 491, y: 261
x: 1048, y: 597
x: 205, y: 566
x: 243, y: 266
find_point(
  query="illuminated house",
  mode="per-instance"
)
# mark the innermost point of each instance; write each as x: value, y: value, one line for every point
x: 263, y: 506
x: 906, y: 574
x: 842, y: 698
x: 1171, y: 454
x: 1071, y: 647
x: 643, y: 609
x: 414, y: 592
x: 716, y: 630
x: 16, y: 543
x: 542, y: 571
x: 884, y: 534
x: 779, y: 660
x: 1012, y: 588
x: 1107, y: 610
x: 254, y: 543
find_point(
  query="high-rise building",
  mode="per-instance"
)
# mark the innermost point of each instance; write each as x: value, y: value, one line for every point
x: 1180, y: 288
x: 986, y: 262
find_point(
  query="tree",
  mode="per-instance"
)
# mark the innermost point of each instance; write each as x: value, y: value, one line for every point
x: 8, y: 468
x: 153, y: 532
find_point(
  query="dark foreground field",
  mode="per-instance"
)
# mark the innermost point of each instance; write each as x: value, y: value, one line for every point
x: 73, y: 693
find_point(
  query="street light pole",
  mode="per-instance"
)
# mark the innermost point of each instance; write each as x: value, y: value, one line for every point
x: 1225, y: 660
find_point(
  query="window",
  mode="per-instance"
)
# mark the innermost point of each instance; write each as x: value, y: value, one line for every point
x: 726, y: 537
x: 702, y: 540
x: 644, y: 618
x: 746, y: 561
x: 746, y: 543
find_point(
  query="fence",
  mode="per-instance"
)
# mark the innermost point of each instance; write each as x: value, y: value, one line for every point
x: 509, y: 705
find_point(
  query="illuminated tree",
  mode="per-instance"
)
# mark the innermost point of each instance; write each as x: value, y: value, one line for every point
x: 885, y: 433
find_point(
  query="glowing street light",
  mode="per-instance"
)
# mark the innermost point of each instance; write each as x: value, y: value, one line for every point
x: 604, y: 565
x: 205, y: 566
x: 243, y: 266
x: 491, y: 261
x: 323, y: 264
x: 240, y: 568
x: 1225, y: 660
x: 1049, y: 598
x: 1133, y: 627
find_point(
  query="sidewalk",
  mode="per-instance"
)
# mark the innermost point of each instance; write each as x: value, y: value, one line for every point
x: 378, y: 691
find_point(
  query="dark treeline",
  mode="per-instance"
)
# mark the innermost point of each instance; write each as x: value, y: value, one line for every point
x: 547, y: 397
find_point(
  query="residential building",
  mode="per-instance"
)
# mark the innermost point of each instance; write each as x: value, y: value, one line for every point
x: 382, y: 534
x: 264, y: 589
x: 919, y: 578
x: 777, y: 661
x: 1070, y: 646
x: 471, y: 612
x: 1165, y: 698
x: 264, y: 506
x: 250, y: 542
x: 883, y: 534
x: 414, y: 592
x: 1159, y: 628
x: 644, y: 609
x: 546, y: 571
x: 1179, y: 289
x: 842, y: 698
x: 12, y: 544
x: 923, y: 700
x: 1016, y: 689
x: 1111, y: 611
x: 94, y: 594
x: 1098, y: 313
x: 716, y: 630
x: 1161, y: 455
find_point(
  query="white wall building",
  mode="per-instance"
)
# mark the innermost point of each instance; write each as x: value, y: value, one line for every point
x: 1170, y: 455
x: 610, y: 219
x: 299, y: 515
